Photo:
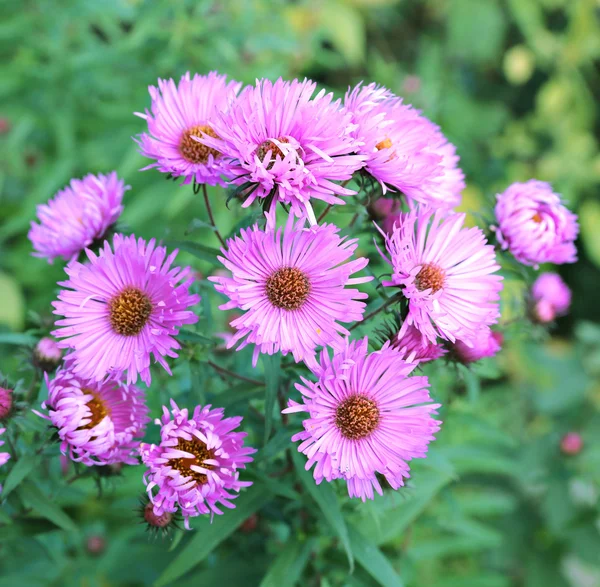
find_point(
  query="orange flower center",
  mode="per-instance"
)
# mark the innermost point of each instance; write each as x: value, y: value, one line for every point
x: 129, y: 311
x: 201, y: 453
x: 357, y: 417
x: 288, y: 288
x: 192, y: 150
x: 430, y: 277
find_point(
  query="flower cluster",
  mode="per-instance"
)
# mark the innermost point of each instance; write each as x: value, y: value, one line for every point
x: 295, y: 286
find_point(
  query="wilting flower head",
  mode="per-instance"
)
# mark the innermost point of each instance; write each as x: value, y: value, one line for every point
x: 291, y: 283
x: 414, y: 348
x: 47, y: 354
x: 446, y: 272
x: 6, y: 402
x: 181, y: 114
x: 285, y: 145
x: 550, y: 297
x: 126, y: 304
x: 365, y: 416
x: 534, y: 225
x: 195, y: 466
x: 486, y: 343
x: 404, y: 150
x: 77, y: 216
x: 98, y: 423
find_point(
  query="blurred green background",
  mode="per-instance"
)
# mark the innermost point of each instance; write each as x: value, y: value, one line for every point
x: 514, y: 84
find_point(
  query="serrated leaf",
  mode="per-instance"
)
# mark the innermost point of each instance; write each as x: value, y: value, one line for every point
x: 289, y: 564
x: 20, y: 470
x: 209, y: 536
x: 372, y: 560
x: 272, y: 365
x: 200, y: 251
x: 44, y: 506
x: 328, y: 503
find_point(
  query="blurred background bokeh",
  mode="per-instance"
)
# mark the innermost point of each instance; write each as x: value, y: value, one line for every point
x: 514, y: 84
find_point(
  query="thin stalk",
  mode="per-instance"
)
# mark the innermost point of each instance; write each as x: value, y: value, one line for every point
x: 210, y: 214
x: 233, y: 375
x: 370, y: 315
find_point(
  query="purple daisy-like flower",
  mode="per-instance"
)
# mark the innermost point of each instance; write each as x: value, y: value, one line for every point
x: 405, y: 150
x: 446, y: 272
x: 181, y: 114
x: 125, y: 305
x: 195, y: 466
x: 366, y: 417
x: 534, y: 225
x: 486, y: 343
x: 550, y: 297
x: 77, y: 216
x: 98, y: 423
x: 291, y: 284
x: 416, y: 349
x: 285, y: 144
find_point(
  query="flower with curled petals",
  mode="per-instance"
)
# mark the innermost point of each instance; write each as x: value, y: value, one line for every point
x: 534, y: 225
x: 195, y: 467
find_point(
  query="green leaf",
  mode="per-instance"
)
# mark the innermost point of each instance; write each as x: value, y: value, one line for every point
x: 288, y: 566
x: 200, y: 251
x: 372, y: 560
x: 272, y: 365
x: 210, y: 535
x: 19, y: 338
x: 22, y: 468
x: 189, y: 336
x: 326, y: 500
x: 44, y: 506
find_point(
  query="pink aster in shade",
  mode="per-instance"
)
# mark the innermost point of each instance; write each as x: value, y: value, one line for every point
x: 180, y: 115
x: 79, y: 215
x: 486, y: 343
x: 97, y: 423
x: 446, y: 272
x: 405, y: 151
x: 292, y: 286
x: 195, y: 466
x: 123, y: 306
x: 534, y: 225
x: 416, y: 349
x: 366, y: 416
x: 386, y: 212
x: 6, y: 402
x: 550, y: 297
x: 285, y: 144
x: 4, y: 456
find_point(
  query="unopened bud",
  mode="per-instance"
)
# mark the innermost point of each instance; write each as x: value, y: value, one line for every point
x: 6, y: 402
x: 46, y: 355
x: 571, y: 443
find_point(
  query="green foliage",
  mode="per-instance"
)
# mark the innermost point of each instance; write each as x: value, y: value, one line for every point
x: 514, y: 85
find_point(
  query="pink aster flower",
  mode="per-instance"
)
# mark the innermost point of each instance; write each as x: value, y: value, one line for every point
x: 446, y: 272
x: 286, y: 145
x: 534, y: 225
x: 365, y: 416
x: 181, y: 114
x: 4, y: 456
x: 195, y: 466
x: 486, y: 343
x: 97, y: 423
x: 125, y: 305
x: 291, y: 283
x: 79, y: 215
x: 416, y: 349
x: 404, y: 150
x: 550, y: 297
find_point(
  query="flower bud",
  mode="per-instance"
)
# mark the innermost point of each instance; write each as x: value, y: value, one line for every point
x: 46, y: 355
x: 95, y: 545
x: 571, y: 443
x: 6, y: 402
